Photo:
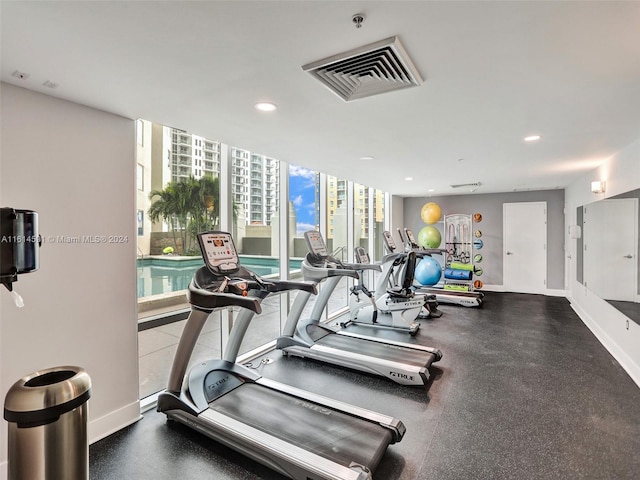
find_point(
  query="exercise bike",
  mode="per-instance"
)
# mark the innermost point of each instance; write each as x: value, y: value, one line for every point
x: 389, y: 306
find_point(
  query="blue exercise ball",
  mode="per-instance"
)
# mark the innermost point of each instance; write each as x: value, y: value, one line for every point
x: 428, y: 271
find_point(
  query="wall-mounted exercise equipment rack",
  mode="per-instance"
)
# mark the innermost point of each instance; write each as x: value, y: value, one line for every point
x: 458, y: 272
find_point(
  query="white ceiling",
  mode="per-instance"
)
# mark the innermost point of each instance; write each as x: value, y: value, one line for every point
x: 494, y: 72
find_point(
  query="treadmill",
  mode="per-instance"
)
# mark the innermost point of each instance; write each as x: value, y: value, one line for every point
x: 452, y: 297
x: 404, y: 363
x: 299, y: 434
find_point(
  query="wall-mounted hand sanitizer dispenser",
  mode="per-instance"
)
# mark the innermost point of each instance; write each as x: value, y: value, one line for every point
x: 19, y: 244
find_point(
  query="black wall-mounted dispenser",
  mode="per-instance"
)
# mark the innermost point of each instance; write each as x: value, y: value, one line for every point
x: 19, y: 244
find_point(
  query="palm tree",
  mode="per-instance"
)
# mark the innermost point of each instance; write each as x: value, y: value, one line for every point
x: 165, y: 208
x: 210, y: 199
x: 204, y: 205
x: 189, y: 206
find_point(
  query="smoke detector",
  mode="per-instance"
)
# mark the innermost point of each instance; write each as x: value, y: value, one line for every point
x: 372, y: 69
x: 20, y: 75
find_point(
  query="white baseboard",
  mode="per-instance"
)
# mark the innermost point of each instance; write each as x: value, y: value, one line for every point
x: 104, y: 426
x: 549, y: 291
x: 552, y: 292
x: 629, y: 366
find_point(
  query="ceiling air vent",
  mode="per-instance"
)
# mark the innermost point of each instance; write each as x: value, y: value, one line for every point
x: 376, y: 68
x: 466, y: 185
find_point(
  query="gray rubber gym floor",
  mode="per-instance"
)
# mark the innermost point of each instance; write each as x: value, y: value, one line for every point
x: 524, y: 391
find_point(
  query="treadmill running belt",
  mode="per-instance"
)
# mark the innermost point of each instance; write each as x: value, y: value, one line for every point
x: 331, y: 434
x: 379, y: 350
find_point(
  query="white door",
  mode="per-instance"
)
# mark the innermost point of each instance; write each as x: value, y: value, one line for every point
x: 525, y: 247
x: 619, y: 269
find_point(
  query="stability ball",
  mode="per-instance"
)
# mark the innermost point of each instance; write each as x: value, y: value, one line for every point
x: 428, y: 271
x: 430, y: 213
x: 429, y: 237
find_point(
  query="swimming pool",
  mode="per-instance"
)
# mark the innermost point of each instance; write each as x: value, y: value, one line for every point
x: 166, y: 274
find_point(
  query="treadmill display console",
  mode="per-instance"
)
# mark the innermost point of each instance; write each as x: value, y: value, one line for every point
x: 316, y: 244
x: 219, y: 252
x: 410, y: 237
x: 388, y: 240
x: 362, y: 256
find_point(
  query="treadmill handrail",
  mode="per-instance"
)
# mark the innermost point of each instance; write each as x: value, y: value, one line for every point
x: 283, y: 285
x: 210, y: 300
x: 421, y: 252
x: 317, y: 273
x: 392, y: 257
x: 364, y: 266
x: 330, y: 262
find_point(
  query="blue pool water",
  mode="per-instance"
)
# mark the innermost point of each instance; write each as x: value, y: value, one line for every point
x: 171, y: 274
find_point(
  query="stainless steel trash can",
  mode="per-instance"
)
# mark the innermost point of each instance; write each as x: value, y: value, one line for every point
x: 47, y: 415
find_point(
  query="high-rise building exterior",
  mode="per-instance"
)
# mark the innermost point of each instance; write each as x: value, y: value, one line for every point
x: 255, y: 185
x: 192, y: 156
x: 167, y: 154
x: 337, y: 205
x: 254, y: 177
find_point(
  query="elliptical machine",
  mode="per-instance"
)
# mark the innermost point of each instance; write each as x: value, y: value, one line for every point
x: 299, y: 434
x: 395, y: 265
x: 396, y: 308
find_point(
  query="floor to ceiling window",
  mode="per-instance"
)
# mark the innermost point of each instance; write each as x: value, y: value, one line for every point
x: 178, y: 196
x: 338, y: 191
x: 361, y: 229
x: 378, y: 222
x: 256, y: 219
x: 187, y: 184
x: 361, y: 213
x: 304, y: 215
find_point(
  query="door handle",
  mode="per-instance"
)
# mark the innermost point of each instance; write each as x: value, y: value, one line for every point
x: 509, y: 253
x: 627, y: 256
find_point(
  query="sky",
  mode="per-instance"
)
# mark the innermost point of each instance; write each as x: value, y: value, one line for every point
x: 302, y: 193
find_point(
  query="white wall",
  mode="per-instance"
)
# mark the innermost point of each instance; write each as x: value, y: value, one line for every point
x: 622, y: 174
x: 75, y: 166
x: 490, y: 205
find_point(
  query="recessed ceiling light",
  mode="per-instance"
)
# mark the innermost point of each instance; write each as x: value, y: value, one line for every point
x: 408, y: 179
x: 266, y: 106
x: 431, y: 190
x: 366, y: 157
x: 532, y: 138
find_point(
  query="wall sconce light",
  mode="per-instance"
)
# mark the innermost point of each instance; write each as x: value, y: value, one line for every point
x: 598, y: 186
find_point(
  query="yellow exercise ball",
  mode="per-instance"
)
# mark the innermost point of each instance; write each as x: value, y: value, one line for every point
x: 431, y: 213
